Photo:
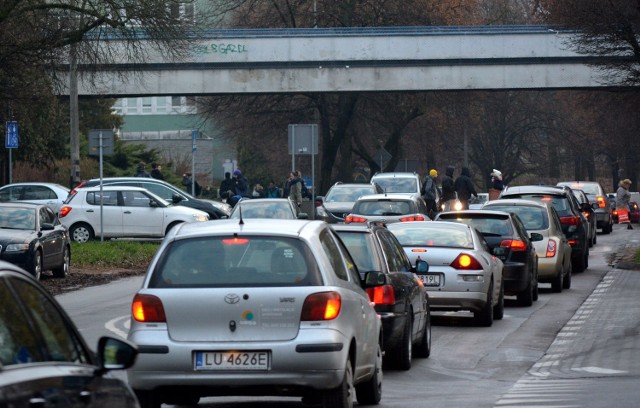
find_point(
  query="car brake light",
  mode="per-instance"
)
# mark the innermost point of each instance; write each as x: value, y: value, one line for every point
x: 552, y: 246
x: 321, y: 306
x: 351, y: 218
x: 382, y: 295
x: 466, y: 262
x: 602, y: 203
x: 64, y: 211
x: 514, y: 244
x: 571, y: 220
x: 412, y: 218
x: 148, y: 309
x: 573, y: 242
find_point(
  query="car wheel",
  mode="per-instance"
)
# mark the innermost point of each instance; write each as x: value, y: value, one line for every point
x: 402, y: 355
x: 556, y: 283
x: 498, y: 310
x: 423, y: 350
x: 342, y: 396
x: 536, y: 286
x: 595, y: 238
x: 566, y: 282
x: 370, y: 392
x: 484, y: 317
x: 147, y: 399
x: 608, y: 228
x: 63, y: 269
x: 36, y: 266
x: 525, y: 298
x: 81, y: 233
x: 578, y: 264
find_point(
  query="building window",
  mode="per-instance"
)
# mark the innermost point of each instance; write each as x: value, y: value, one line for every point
x: 131, y: 106
x: 147, y: 105
x: 161, y: 104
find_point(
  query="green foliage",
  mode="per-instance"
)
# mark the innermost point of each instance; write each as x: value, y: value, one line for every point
x: 112, y: 254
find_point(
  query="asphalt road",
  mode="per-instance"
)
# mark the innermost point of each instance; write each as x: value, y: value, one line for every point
x: 579, y: 348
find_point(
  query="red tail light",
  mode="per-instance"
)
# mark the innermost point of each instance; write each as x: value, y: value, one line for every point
x: 514, y: 244
x: 587, y: 214
x: 321, y: 306
x: 64, y: 211
x: 615, y: 212
x: 412, y: 218
x: 382, y: 295
x: 572, y: 220
x: 351, y: 218
x: 602, y: 202
x: 148, y: 309
x: 552, y: 247
x: 466, y: 262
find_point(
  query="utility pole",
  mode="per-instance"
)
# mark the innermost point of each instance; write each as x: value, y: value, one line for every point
x: 74, y: 120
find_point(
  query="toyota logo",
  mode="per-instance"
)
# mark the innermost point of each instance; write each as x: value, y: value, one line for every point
x: 232, y: 298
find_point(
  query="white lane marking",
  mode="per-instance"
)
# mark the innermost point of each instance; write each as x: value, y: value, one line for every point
x: 112, y: 326
x: 599, y: 370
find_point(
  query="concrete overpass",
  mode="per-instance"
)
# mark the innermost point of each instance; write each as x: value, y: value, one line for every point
x: 353, y: 59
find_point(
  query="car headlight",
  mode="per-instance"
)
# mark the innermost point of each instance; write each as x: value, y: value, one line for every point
x: 457, y: 206
x: 17, y: 248
x: 321, y: 212
x: 200, y: 217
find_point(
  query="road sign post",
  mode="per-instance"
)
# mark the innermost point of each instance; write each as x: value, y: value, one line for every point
x: 11, y: 142
x: 101, y: 140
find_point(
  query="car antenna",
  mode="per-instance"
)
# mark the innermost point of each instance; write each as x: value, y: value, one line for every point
x: 241, y: 220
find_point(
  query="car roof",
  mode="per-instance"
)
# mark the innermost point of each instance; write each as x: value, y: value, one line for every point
x: 488, y: 213
x: 258, y: 226
x: 389, y: 196
x: 395, y: 174
x: 514, y: 202
x: 368, y: 227
x: 35, y: 183
x: 114, y: 188
x: 532, y: 189
x: 245, y: 200
x: 429, y: 224
x: 20, y: 204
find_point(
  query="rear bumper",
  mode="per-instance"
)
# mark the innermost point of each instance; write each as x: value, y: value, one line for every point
x: 516, y: 277
x: 454, y: 301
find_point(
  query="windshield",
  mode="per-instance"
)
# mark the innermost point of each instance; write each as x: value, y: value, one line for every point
x: 398, y: 184
x: 17, y: 218
x: 383, y: 207
x: 348, y: 194
x: 263, y: 210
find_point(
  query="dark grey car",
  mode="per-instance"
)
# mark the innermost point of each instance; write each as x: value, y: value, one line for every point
x: 44, y: 362
x: 339, y: 200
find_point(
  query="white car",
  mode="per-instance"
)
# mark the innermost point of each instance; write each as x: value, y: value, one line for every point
x: 126, y: 212
x: 258, y: 307
x: 463, y: 274
x: 50, y: 194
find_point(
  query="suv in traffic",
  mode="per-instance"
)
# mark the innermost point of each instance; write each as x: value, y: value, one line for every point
x: 574, y: 223
x: 339, y: 200
x: 598, y: 198
x: 398, y: 182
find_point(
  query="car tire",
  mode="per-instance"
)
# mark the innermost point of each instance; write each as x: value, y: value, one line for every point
x: 578, y: 264
x: 566, y: 281
x: 81, y: 233
x: 536, y: 288
x: 498, y: 310
x: 556, y: 283
x: 342, y: 396
x: 608, y: 228
x: 423, y: 349
x: 525, y: 298
x: 402, y: 355
x: 484, y: 317
x: 148, y: 399
x: 370, y: 391
x: 595, y: 237
x: 63, y: 270
x: 36, y: 265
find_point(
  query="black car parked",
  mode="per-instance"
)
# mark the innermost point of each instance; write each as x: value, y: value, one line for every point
x: 32, y: 237
x: 403, y: 303
x: 44, y: 362
x: 508, y: 239
x: 574, y: 223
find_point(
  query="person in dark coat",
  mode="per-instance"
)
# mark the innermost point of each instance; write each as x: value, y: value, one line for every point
x: 227, y: 186
x: 429, y: 192
x: 464, y: 188
x: 142, y: 170
x: 241, y: 184
x: 156, y: 171
x: 193, y: 187
x: 448, y: 189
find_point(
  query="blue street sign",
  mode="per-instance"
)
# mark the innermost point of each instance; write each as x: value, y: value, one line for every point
x: 194, y: 135
x: 11, y: 135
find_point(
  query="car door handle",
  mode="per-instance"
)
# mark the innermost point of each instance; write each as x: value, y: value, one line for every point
x: 90, y: 211
x: 127, y: 212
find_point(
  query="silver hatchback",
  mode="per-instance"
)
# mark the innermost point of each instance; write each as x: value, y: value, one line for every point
x: 256, y: 307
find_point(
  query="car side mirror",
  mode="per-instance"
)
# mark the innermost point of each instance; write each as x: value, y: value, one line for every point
x: 586, y: 207
x: 47, y: 226
x: 115, y: 354
x: 535, y: 237
x: 319, y: 199
x: 374, y: 278
x: 422, y: 266
x: 176, y: 198
x: 303, y: 216
x: 595, y: 206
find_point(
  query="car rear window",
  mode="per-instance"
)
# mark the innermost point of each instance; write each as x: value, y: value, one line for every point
x: 250, y: 261
x: 433, y: 237
x: 533, y: 218
x: 484, y: 223
x: 383, y: 207
x: 398, y: 184
x: 560, y: 203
